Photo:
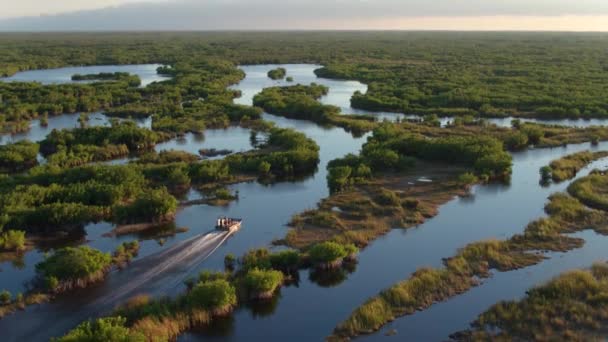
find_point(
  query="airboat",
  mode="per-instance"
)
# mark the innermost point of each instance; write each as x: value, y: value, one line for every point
x: 228, y: 224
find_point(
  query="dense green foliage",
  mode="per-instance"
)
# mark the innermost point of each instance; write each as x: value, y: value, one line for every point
x: 213, y: 294
x: 434, y: 74
x: 119, y: 133
x: 72, y: 263
x: 262, y: 283
x: 300, y: 102
x: 286, y: 153
x: 277, y: 74
x: 392, y: 148
x: 541, y: 74
x: 12, y: 240
x: 155, y: 205
x: 110, y: 329
x: 84, y: 145
x: 18, y: 156
x: 133, y: 81
x: 327, y: 253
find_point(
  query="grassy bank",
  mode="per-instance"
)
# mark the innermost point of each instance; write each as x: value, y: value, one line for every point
x: 568, y: 166
x: 67, y: 269
x: 256, y: 277
x: 364, y: 212
x: 475, y: 261
x: 570, y: 307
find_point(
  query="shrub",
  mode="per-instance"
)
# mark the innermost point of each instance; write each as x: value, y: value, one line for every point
x: 152, y: 205
x: 262, y: 283
x: 467, y: 178
x: 5, y: 297
x: 388, y: 197
x: 12, y: 240
x: 545, y: 173
x: 223, y: 194
x: 326, y: 253
x: 229, y: 261
x: 212, y: 295
x: 256, y: 258
x: 111, y: 329
x: 264, y: 168
x: 72, y: 263
x: 516, y: 140
x: 285, y: 260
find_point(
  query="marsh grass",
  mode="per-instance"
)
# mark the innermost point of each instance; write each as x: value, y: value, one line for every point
x: 591, y: 190
x: 568, y: 166
x: 474, y: 262
x: 572, y: 306
x: 367, y: 211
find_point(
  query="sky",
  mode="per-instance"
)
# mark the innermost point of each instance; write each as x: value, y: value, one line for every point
x: 61, y: 15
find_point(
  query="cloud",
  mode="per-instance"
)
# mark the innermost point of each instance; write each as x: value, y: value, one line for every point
x: 291, y: 14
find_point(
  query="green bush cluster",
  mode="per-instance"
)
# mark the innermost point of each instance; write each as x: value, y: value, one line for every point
x: 73, y: 263
x: 291, y: 154
x: 12, y: 240
x: 19, y: 156
x: 277, y: 74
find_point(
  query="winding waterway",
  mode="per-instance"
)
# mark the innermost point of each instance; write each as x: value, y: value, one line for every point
x: 310, y: 311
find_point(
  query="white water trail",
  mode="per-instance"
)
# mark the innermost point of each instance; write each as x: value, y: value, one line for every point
x: 150, y: 274
x: 197, y: 264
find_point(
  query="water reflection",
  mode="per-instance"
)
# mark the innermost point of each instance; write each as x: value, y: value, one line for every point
x: 146, y: 72
x: 493, y: 210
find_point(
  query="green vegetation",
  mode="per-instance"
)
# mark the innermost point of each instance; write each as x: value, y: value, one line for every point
x: 591, y: 190
x: 68, y: 148
x: 277, y: 74
x: 211, y: 295
x: 19, y: 156
x: 330, y: 254
x: 261, y: 284
x: 569, y: 307
x: 132, y: 80
x: 392, y: 148
x: 288, y: 152
x: 370, y: 205
x: 229, y: 262
x: 5, y: 297
x: 461, y: 272
x: 216, y: 295
x: 155, y: 206
x: 12, y: 240
x: 102, y: 330
x: 71, y: 267
x: 52, y: 199
x: 300, y: 102
x: 431, y: 74
x: 124, y: 253
x: 523, y: 74
x: 568, y: 166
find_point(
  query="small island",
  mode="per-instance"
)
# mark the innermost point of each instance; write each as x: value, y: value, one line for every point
x: 277, y: 74
x: 133, y: 80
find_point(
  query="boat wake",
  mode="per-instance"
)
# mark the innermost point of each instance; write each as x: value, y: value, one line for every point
x: 159, y: 273
x: 155, y: 275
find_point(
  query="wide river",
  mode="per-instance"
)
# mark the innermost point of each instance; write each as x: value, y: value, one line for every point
x: 310, y: 310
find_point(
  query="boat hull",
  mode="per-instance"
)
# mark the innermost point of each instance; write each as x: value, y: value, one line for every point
x: 234, y: 226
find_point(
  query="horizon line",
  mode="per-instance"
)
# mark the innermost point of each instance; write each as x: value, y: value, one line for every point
x: 298, y: 30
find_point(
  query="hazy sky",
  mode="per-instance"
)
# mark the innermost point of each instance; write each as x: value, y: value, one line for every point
x: 585, y: 15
